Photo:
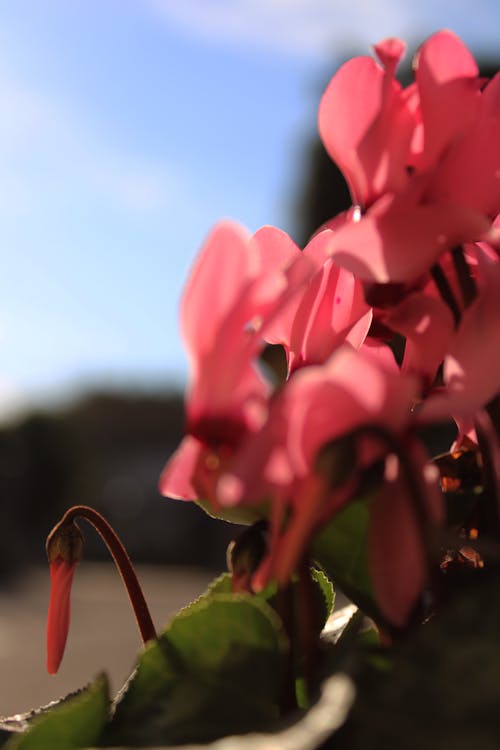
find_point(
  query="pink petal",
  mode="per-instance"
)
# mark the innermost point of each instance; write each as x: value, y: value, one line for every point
x: 390, y: 51
x: 329, y: 310
x: 366, y: 127
x: 398, y: 241
x: 225, y: 315
x: 275, y: 248
x: 348, y: 107
x: 193, y: 473
x: 317, y: 405
x: 230, y: 389
x: 283, y: 253
x: 350, y: 390
x: 427, y: 325
x: 220, y: 273
x: 446, y: 76
x: 397, y: 561
x: 472, y: 371
x: 177, y: 476
x: 381, y: 355
x: 469, y: 173
x: 263, y: 461
x: 490, y: 249
x: 280, y: 329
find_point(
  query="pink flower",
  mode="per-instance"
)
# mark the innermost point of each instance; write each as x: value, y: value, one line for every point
x: 317, y: 405
x: 468, y: 172
x: 367, y: 125
x: 238, y: 284
x: 415, y: 159
x: 444, y: 98
x: 279, y: 462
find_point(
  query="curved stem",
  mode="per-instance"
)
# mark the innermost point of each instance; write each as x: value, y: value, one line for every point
x: 284, y: 608
x: 123, y: 563
x: 307, y: 624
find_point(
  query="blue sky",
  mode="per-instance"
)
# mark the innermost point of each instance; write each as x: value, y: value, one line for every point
x: 126, y: 130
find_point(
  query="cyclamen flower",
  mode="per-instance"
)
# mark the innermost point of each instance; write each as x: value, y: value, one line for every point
x: 415, y: 257
x: 422, y: 162
x: 317, y: 405
x: 237, y: 286
x: 64, y: 548
x: 279, y: 462
x: 367, y: 125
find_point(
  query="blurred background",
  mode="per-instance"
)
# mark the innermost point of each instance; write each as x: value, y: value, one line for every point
x: 127, y: 129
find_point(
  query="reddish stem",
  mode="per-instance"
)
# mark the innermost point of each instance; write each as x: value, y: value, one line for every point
x: 307, y: 624
x: 123, y: 563
x: 284, y: 607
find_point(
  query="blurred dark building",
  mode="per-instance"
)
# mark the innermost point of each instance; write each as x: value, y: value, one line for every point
x: 107, y: 451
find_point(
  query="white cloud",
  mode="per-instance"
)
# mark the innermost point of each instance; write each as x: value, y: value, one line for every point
x: 317, y: 28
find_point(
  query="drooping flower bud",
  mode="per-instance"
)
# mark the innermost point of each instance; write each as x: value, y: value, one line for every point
x: 64, y: 551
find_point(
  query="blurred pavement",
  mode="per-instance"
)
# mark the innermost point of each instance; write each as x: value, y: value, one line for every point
x: 103, y: 633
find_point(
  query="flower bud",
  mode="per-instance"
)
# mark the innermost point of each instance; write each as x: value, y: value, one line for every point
x: 65, y: 541
x: 64, y: 550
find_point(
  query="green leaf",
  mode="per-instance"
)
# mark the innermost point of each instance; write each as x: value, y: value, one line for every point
x: 325, y: 595
x: 220, y: 585
x: 323, y: 592
x: 217, y: 669
x: 75, y: 722
x: 341, y: 549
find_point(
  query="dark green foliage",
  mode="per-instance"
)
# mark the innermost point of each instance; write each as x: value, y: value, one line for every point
x: 342, y: 551
x: 217, y: 669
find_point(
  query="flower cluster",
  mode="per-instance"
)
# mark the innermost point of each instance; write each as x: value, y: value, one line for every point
x: 414, y: 261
